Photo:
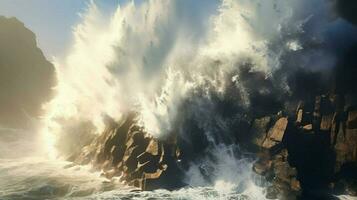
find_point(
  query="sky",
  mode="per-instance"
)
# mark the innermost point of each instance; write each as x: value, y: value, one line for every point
x: 51, y: 20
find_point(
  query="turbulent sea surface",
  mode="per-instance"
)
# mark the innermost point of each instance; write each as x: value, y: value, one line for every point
x: 38, y: 178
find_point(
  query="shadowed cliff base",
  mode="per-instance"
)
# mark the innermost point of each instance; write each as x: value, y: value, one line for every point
x: 347, y: 9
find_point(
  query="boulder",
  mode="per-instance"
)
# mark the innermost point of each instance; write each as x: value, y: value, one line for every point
x: 153, y: 148
x: 310, y: 155
x: 346, y: 145
x: 259, y: 130
x: 262, y: 167
x: 307, y: 127
x: 126, y: 150
x: 352, y: 120
x: 351, y: 141
x: 299, y: 116
x: 295, y: 184
x: 326, y: 122
x: 276, y: 133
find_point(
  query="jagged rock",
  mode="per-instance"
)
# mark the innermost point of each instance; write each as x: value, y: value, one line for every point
x: 272, y: 192
x: 156, y: 174
x: 317, y: 106
x: 346, y: 141
x: 295, y: 185
x: 276, y: 133
x: 326, y: 122
x: 259, y: 130
x: 283, y: 171
x: 277, y: 169
x: 126, y: 150
x: 308, y: 127
x: 153, y: 148
x: 347, y: 10
x: 342, y: 151
x: 352, y: 120
x: 285, y: 175
x: 262, y: 167
x: 299, y: 116
x: 351, y: 142
x: 321, y: 140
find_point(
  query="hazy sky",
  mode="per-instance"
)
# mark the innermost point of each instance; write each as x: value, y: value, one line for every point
x: 51, y: 20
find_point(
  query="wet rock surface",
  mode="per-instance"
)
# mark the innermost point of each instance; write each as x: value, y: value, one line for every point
x: 125, y: 150
x: 312, y: 153
x: 309, y: 154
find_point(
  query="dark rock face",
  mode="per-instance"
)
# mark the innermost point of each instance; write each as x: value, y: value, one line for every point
x: 125, y: 150
x: 347, y: 9
x: 312, y: 154
x: 26, y: 77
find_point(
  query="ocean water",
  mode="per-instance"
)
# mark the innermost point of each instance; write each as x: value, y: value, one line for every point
x: 39, y: 178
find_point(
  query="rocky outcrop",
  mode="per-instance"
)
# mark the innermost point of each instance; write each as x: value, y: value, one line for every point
x: 26, y: 77
x: 347, y: 10
x: 273, y: 161
x: 125, y: 150
x: 276, y: 133
x: 311, y: 154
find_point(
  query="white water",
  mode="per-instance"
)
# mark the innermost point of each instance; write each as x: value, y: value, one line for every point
x: 38, y: 178
x: 152, y: 56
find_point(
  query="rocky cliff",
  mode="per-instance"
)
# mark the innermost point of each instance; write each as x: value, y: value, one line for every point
x: 308, y: 150
x: 311, y: 154
x: 125, y: 150
x: 26, y: 77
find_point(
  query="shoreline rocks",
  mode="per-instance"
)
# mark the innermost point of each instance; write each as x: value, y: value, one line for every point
x: 125, y: 150
x: 311, y: 155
